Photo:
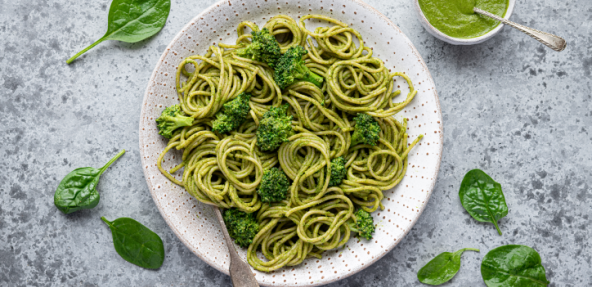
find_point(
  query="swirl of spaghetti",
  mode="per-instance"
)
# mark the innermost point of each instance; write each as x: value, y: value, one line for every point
x: 237, y: 160
x: 286, y: 29
x: 304, y: 159
x: 337, y: 40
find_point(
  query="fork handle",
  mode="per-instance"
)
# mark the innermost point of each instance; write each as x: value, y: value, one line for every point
x: 240, y: 272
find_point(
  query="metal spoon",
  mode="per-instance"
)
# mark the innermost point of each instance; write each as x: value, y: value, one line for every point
x: 552, y: 41
x: 240, y: 271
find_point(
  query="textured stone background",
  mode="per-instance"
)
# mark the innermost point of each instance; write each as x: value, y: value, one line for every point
x: 519, y: 111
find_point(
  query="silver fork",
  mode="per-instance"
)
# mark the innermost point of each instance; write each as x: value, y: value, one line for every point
x: 240, y: 271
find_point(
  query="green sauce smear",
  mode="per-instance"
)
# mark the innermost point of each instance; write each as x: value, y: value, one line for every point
x: 456, y: 18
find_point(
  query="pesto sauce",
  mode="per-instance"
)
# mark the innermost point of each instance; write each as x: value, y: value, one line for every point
x: 456, y: 18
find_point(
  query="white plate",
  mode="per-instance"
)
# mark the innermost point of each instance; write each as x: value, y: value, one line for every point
x: 194, y: 223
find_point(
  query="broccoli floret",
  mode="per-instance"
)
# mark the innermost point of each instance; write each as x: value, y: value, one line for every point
x: 291, y: 68
x: 263, y: 48
x: 274, y: 185
x: 241, y: 226
x: 233, y: 114
x: 338, y: 171
x: 274, y: 129
x: 364, y: 224
x: 171, y: 119
x: 366, y: 130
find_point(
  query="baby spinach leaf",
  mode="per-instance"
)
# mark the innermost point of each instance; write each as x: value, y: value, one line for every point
x: 133, y: 21
x: 78, y: 190
x: 483, y: 198
x: 442, y: 268
x: 513, y: 266
x: 136, y: 243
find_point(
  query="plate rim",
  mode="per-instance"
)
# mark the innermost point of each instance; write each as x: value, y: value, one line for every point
x: 168, y: 220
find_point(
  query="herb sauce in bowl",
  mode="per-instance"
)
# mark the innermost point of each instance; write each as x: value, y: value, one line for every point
x: 456, y: 18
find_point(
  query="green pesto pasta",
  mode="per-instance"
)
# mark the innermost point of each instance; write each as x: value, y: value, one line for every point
x: 226, y: 170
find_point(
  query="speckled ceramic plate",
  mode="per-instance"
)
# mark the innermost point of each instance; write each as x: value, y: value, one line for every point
x: 194, y: 223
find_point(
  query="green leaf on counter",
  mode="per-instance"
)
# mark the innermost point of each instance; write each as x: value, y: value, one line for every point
x: 483, y: 198
x: 442, y: 268
x: 78, y: 190
x: 513, y: 266
x: 136, y: 243
x: 133, y: 21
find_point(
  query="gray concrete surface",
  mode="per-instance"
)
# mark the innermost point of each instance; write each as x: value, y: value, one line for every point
x: 512, y: 107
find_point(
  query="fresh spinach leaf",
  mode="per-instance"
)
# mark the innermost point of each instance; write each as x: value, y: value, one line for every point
x: 133, y: 21
x: 442, y: 268
x: 483, y: 198
x: 136, y: 243
x: 513, y: 266
x: 78, y: 190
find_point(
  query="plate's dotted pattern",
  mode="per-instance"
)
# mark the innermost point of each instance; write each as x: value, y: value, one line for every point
x: 194, y: 223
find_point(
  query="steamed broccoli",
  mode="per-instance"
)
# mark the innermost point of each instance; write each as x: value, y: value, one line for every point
x: 274, y: 185
x: 291, y: 68
x: 171, y: 119
x: 233, y: 114
x: 263, y: 48
x: 366, y: 130
x: 364, y: 224
x: 274, y: 129
x: 338, y: 171
x: 241, y: 226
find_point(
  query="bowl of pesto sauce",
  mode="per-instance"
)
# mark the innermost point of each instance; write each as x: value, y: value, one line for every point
x: 454, y: 21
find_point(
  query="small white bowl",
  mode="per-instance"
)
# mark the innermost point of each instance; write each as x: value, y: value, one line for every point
x: 459, y: 41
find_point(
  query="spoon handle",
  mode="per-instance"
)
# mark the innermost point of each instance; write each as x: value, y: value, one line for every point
x: 552, y: 41
x: 240, y: 272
